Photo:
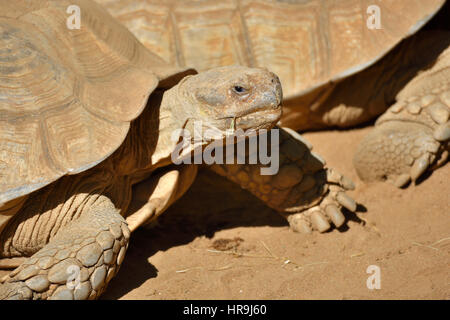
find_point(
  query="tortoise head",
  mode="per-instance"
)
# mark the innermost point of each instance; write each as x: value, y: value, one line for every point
x: 229, y: 98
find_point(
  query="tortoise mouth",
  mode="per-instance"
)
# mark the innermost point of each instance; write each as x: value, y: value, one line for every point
x: 253, y: 119
x: 261, y: 119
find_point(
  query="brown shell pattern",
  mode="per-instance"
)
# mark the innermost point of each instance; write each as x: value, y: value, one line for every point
x: 305, y: 42
x: 66, y: 96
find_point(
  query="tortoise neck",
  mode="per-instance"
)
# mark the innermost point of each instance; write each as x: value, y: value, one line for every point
x: 151, y: 138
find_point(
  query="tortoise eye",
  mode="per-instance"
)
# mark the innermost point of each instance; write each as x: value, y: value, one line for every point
x: 239, y: 90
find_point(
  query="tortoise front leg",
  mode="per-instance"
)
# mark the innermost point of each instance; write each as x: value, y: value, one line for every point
x: 309, y: 195
x: 77, y: 263
x: 154, y: 195
x: 413, y: 135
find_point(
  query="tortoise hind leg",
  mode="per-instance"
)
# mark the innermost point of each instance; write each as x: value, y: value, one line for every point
x: 77, y: 263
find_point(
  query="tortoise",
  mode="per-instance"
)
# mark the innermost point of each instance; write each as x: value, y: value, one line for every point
x: 87, y: 113
x: 338, y: 67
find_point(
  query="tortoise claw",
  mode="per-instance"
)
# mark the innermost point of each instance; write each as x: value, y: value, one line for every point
x: 335, y: 215
x: 319, y: 222
x: 335, y: 177
x: 327, y: 212
x: 346, y: 201
x: 299, y: 223
x: 402, y: 180
x: 420, y: 166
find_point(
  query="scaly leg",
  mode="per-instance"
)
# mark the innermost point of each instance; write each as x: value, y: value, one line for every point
x: 303, y: 190
x: 77, y: 263
x: 414, y: 133
x: 153, y: 196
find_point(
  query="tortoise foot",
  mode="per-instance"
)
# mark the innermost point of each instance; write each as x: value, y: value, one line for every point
x: 77, y: 264
x: 400, y: 152
x: 328, y: 211
x: 413, y: 135
x: 309, y: 195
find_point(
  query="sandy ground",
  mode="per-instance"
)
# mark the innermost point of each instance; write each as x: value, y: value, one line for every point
x: 220, y: 242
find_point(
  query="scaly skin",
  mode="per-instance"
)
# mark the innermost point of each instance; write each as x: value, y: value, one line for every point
x: 413, y: 135
x: 77, y: 263
x: 309, y: 195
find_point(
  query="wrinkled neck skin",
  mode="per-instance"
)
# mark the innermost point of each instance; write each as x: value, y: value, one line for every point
x: 185, y: 127
x: 155, y: 134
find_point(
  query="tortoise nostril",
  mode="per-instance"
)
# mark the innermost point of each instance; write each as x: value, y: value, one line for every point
x: 275, y: 79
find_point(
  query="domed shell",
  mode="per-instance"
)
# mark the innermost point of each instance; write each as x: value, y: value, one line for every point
x: 67, y: 94
x: 307, y: 43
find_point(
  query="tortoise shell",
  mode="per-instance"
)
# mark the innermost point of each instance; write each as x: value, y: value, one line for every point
x: 67, y: 96
x: 307, y: 43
